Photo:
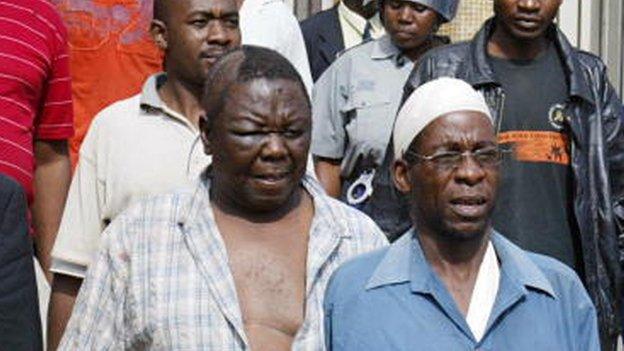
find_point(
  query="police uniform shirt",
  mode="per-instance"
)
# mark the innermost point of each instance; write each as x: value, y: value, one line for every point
x: 354, y: 105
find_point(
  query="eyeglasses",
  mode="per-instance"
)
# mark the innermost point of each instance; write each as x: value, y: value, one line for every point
x: 486, y: 158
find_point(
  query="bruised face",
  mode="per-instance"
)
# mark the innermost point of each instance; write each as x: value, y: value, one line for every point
x: 452, y: 201
x: 194, y: 34
x: 409, y: 24
x: 260, y: 142
x: 525, y: 19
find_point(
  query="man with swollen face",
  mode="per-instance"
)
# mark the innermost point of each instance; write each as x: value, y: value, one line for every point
x: 554, y: 106
x: 451, y: 282
x: 143, y: 145
x: 356, y: 99
x: 241, y: 259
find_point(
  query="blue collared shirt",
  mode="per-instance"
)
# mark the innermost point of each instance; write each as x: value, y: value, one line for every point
x: 391, y: 299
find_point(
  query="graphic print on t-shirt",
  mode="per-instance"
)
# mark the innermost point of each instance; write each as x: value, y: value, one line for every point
x: 557, y: 116
x: 541, y: 146
x: 534, y: 208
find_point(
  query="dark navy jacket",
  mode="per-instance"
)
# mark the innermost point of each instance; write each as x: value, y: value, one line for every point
x: 323, y: 39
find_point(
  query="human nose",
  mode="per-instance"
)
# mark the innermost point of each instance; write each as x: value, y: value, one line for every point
x: 469, y: 171
x: 529, y: 5
x: 405, y: 14
x: 217, y: 33
x: 274, y: 147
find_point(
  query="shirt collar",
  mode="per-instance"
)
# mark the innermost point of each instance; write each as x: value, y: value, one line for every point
x: 152, y: 104
x: 149, y: 93
x: 516, y: 264
x: 376, y: 24
x: 357, y: 22
x: 353, y: 19
x: 405, y: 262
x: 323, y: 213
x: 394, y: 268
x: 383, y: 49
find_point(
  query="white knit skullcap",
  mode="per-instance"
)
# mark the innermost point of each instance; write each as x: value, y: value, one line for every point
x: 430, y: 101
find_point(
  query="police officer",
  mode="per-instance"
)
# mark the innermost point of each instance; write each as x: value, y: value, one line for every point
x: 356, y: 99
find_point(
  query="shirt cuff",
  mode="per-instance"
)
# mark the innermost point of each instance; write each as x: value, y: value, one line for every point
x: 75, y: 270
x: 325, y: 149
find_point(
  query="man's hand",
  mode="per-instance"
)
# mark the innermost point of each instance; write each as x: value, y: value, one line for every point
x: 51, y: 183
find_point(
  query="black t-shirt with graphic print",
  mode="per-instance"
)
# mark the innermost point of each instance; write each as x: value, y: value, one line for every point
x: 534, y: 207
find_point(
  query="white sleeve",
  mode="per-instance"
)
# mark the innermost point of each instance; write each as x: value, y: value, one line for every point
x: 82, y: 223
x: 274, y: 26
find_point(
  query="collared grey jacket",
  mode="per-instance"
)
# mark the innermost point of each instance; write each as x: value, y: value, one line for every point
x: 597, y: 158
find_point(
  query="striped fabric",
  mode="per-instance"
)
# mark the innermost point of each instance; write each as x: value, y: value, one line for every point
x: 35, y: 88
x: 161, y: 280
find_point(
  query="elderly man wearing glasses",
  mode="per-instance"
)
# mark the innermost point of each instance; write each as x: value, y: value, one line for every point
x: 452, y: 282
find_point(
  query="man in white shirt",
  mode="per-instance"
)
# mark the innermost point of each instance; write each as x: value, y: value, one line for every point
x: 141, y: 146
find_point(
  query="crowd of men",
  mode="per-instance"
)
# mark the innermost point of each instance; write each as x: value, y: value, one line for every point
x: 351, y: 182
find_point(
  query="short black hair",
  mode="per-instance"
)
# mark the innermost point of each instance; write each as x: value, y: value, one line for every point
x: 242, y: 65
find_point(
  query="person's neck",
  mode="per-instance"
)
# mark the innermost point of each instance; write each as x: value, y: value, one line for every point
x: 415, y: 53
x: 504, y: 45
x: 183, y: 98
x: 229, y: 204
x: 454, y: 259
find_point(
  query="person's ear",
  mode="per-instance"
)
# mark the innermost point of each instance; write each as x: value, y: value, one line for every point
x: 204, y: 131
x: 158, y: 30
x: 400, y: 176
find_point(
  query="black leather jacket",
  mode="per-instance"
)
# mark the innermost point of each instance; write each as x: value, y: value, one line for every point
x: 597, y: 153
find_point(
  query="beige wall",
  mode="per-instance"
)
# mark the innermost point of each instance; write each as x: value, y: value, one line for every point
x: 470, y: 17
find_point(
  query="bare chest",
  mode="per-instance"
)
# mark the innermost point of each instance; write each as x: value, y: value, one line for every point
x: 269, y: 271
